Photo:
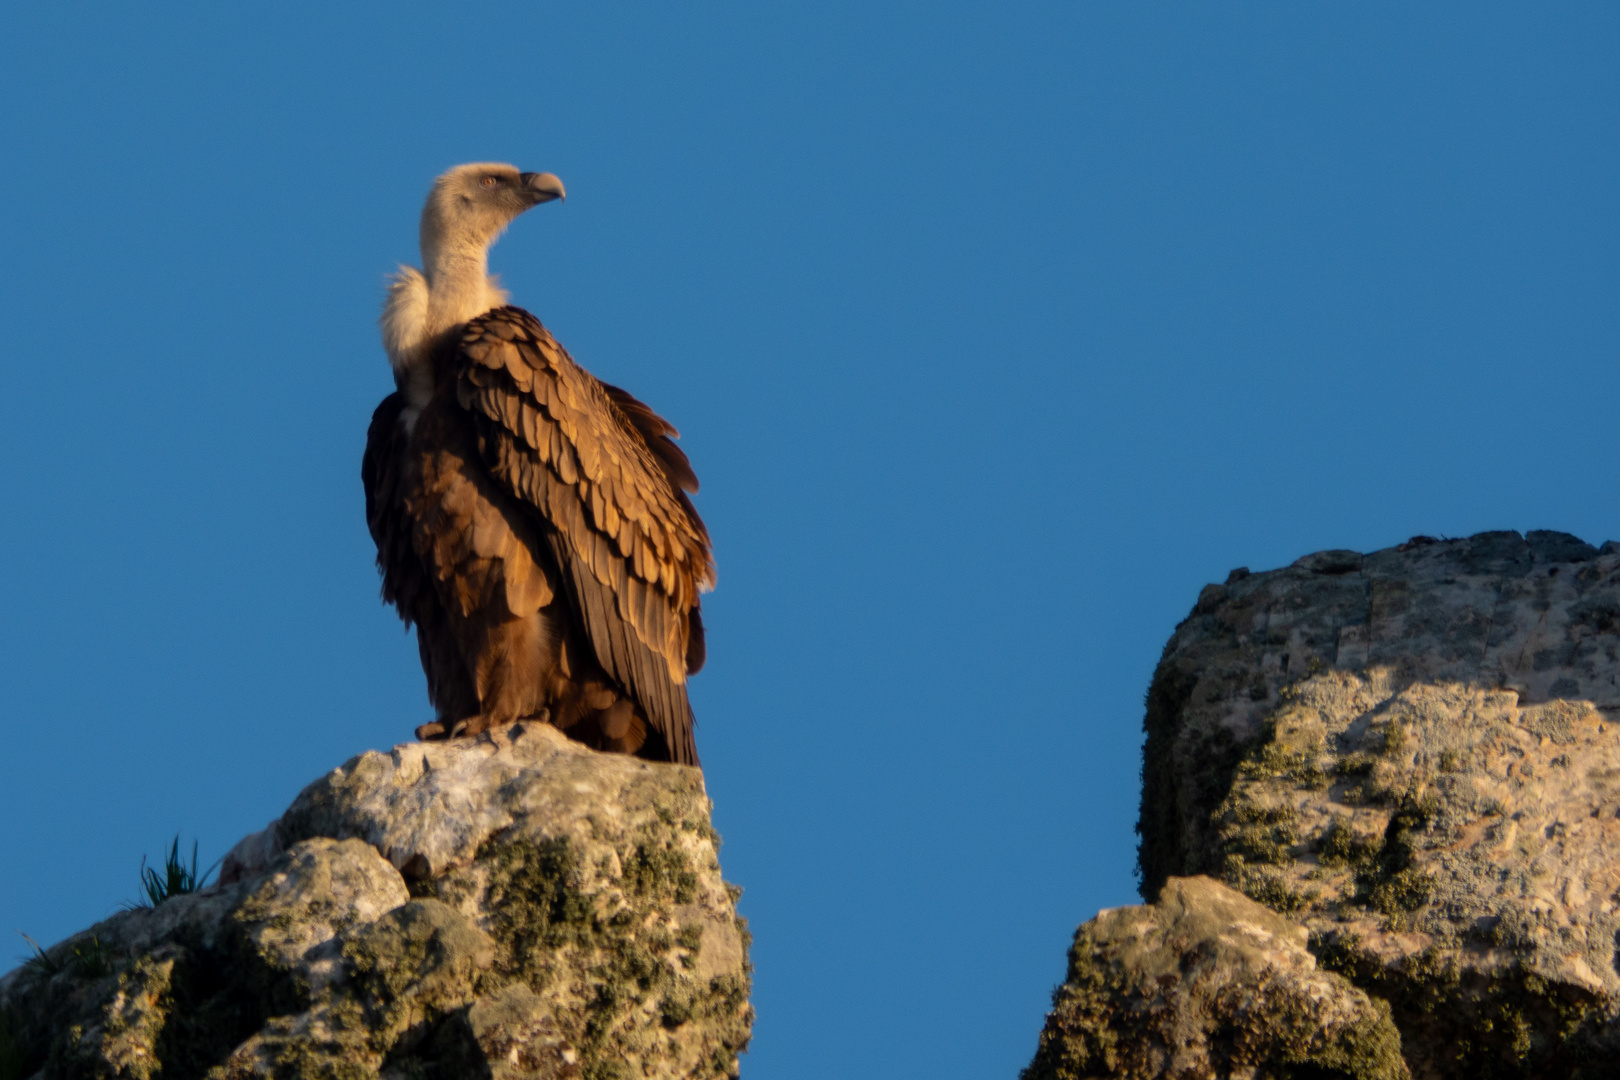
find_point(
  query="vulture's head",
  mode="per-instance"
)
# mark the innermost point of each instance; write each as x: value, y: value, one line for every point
x: 470, y: 205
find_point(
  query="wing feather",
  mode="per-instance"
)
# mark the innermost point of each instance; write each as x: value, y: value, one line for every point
x: 696, y: 647
x: 381, y: 472
x: 406, y: 582
x: 602, y: 469
x: 660, y: 435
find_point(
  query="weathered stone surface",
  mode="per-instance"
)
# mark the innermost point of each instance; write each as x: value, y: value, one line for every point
x: 307, y: 897
x: 514, y: 907
x: 1415, y: 755
x: 1206, y: 983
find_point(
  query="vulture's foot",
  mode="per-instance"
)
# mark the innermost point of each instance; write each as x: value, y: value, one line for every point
x: 443, y: 731
x: 470, y: 726
x: 511, y: 728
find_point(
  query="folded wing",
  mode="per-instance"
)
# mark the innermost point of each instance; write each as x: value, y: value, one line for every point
x: 602, y: 471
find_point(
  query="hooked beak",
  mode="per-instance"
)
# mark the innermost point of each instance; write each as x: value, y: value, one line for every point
x: 542, y: 187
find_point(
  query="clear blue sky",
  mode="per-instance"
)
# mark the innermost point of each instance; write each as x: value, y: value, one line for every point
x: 993, y: 332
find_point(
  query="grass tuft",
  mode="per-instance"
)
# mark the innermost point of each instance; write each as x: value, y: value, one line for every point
x: 41, y: 961
x: 177, y: 878
x: 89, y: 957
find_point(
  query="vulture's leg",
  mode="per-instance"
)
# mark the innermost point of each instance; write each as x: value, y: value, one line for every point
x: 622, y: 728
x: 508, y: 668
x: 449, y: 679
x: 508, y: 660
x: 615, y: 719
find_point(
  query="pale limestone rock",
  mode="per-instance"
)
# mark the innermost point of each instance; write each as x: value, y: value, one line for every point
x: 560, y: 913
x: 1207, y: 984
x: 519, y: 1036
x: 304, y: 900
x: 1415, y: 754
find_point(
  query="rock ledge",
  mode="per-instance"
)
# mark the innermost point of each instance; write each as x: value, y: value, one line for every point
x: 1206, y: 983
x: 518, y: 906
x: 1414, y: 754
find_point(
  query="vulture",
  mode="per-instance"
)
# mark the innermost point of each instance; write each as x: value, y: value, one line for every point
x: 532, y: 522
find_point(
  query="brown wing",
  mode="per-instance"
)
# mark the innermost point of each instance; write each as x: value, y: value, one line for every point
x: 405, y: 580
x: 660, y: 436
x: 633, y: 551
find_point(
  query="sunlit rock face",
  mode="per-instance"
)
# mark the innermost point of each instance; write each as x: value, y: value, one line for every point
x: 518, y: 906
x: 1415, y: 755
x: 1206, y: 984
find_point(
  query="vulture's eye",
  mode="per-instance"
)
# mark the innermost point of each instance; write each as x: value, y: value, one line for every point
x: 490, y: 181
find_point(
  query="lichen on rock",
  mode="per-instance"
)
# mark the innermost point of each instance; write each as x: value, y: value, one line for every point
x: 1414, y: 754
x: 518, y: 906
x: 1205, y: 983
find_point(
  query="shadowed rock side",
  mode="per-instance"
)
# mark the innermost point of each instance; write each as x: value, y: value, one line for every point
x: 516, y: 907
x: 1204, y: 984
x: 1414, y: 754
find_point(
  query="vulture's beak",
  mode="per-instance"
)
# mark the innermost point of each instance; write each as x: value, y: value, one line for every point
x: 542, y: 187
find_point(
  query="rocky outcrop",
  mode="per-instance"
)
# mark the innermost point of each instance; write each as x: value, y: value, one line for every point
x: 518, y: 906
x: 1205, y: 983
x: 1415, y: 756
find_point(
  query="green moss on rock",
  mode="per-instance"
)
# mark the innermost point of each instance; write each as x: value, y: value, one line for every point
x: 412, y: 967
x: 1430, y: 773
x: 1507, y: 1022
x: 587, y: 934
x: 1173, y: 990
x: 1341, y: 846
x: 607, y: 960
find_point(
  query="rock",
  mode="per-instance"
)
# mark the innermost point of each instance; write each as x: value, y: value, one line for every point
x: 1415, y: 755
x: 518, y: 906
x: 1206, y: 983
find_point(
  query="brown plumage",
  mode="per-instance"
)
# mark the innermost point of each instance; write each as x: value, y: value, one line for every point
x: 531, y: 521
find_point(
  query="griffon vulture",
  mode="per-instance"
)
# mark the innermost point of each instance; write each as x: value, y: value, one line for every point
x: 531, y: 520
